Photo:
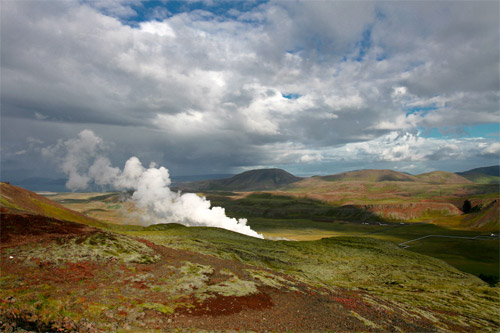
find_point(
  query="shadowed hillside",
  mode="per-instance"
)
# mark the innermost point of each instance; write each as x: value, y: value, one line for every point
x: 262, y: 179
x: 485, y: 175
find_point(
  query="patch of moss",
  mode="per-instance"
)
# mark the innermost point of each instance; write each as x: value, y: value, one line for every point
x: 95, y: 310
x: 234, y: 286
x: 101, y: 246
x: 140, y: 278
x: 193, y: 276
x: 366, y: 322
x: 379, y: 267
x: 8, y: 203
x: 162, y: 308
x: 271, y: 280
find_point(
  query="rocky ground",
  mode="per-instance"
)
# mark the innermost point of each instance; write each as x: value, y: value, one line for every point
x: 59, y: 275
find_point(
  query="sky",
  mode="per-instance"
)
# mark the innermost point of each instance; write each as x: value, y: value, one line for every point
x: 218, y: 87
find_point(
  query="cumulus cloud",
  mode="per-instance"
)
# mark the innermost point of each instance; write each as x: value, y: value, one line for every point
x: 400, y: 146
x: 310, y: 158
x: 157, y: 28
x: 492, y: 150
x: 215, y: 84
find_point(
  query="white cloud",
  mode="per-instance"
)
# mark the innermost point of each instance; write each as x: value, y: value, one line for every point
x: 73, y: 156
x: 311, y: 158
x: 197, y: 82
x: 20, y: 152
x: 408, y: 147
x: 157, y: 28
x: 492, y: 149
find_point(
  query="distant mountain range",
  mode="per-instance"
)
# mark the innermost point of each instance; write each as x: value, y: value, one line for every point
x: 269, y: 179
x: 435, y: 177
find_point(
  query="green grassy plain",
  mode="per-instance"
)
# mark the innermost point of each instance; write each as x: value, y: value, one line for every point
x: 282, y: 217
x: 471, y: 256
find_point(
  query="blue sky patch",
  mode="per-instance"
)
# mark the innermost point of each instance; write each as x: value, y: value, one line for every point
x: 147, y: 10
x: 484, y: 130
x: 290, y: 96
x: 364, y: 45
x: 421, y: 110
x: 488, y: 131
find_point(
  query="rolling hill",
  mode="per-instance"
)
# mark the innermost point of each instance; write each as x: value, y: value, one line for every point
x: 370, y: 175
x: 442, y: 177
x: 261, y: 179
x: 485, y: 175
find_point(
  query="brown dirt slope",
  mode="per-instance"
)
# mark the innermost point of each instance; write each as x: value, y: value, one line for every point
x: 18, y: 200
x: 370, y: 175
x: 487, y: 219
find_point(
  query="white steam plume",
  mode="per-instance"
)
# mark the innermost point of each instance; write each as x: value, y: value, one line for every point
x: 82, y: 162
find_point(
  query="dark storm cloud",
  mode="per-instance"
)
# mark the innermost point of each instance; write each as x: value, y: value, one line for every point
x: 198, y: 91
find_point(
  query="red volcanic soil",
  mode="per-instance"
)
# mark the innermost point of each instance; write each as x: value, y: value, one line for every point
x: 226, y: 305
x: 18, y: 229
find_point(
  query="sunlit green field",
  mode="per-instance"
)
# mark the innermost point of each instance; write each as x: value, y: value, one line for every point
x: 302, y: 219
x: 471, y: 256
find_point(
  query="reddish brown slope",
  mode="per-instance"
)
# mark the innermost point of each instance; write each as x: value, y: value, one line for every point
x: 487, y: 219
x: 18, y: 200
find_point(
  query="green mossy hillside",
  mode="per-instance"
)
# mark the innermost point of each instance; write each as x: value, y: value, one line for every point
x: 100, y: 246
x: 379, y: 267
